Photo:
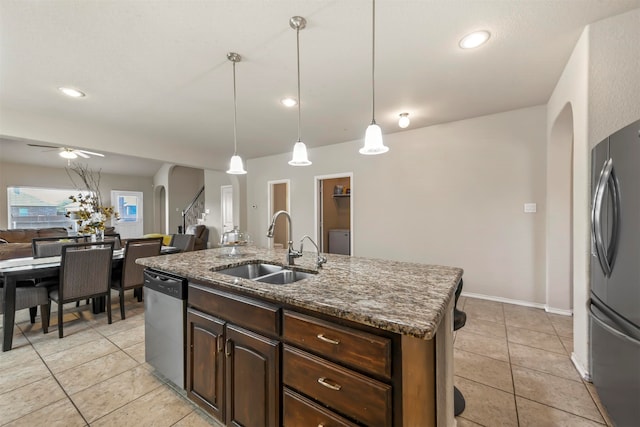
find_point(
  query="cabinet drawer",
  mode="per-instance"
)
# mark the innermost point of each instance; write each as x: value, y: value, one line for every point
x: 255, y: 315
x: 348, y: 392
x: 360, y: 350
x: 300, y: 411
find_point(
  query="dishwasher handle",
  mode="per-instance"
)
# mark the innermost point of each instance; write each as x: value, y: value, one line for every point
x: 171, y: 285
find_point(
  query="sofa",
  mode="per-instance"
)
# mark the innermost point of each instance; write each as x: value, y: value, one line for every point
x: 17, y: 243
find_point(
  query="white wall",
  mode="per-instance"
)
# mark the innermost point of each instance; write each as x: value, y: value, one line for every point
x: 449, y: 194
x: 601, y: 83
x: 184, y: 184
x: 13, y: 174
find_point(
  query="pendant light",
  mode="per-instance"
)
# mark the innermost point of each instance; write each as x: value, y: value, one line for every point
x: 235, y: 165
x: 373, y: 137
x: 299, y: 149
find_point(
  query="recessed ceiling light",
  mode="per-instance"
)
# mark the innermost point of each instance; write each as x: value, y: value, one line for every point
x: 289, y: 102
x: 475, y: 39
x: 74, y: 93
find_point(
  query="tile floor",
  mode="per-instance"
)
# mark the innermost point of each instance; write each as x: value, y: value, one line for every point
x: 511, y: 363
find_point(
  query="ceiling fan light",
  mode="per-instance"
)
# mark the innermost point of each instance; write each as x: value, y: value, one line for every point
x: 289, y: 102
x: 235, y: 166
x: 66, y: 154
x: 404, y: 121
x: 373, y: 141
x: 300, y: 157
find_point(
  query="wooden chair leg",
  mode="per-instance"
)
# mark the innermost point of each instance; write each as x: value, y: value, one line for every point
x: 32, y: 314
x: 108, y: 302
x: 44, y: 314
x: 122, y: 303
x: 60, y: 332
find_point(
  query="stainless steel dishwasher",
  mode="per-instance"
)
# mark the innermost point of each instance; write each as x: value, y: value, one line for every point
x: 165, y: 299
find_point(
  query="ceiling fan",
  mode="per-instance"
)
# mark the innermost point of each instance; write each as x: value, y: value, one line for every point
x: 69, y: 153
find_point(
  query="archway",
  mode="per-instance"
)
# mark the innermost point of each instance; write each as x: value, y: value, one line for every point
x: 559, y: 277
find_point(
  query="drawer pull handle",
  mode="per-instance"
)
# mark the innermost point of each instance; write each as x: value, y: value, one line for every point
x: 324, y: 382
x: 321, y: 337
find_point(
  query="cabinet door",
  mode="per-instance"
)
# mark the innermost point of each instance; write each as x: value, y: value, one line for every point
x: 205, y: 362
x: 252, y: 368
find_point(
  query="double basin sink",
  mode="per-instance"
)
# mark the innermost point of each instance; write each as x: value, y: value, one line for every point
x: 266, y: 273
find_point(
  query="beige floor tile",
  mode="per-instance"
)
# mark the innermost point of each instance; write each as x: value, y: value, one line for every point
x: 118, y: 325
x: 482, y: 369
x: 533, y: 414
x: 562, y: 324
x: 496, y: 348
x: 483, y: 303
x: 22, y: 373
x: 199, y: 419
x: 30, y: 398
x: 567, y: 395
x: 52, y: 344
x: 95, y: 371
x: 486, y: 405
x: 542, y: 360
x: 8, y: 359
x: 59, y: 414
x: 159, y: 408
x: 19, y: 339
x: 528, y: 318
x: 528, y: 337
x: 99, y: 400
x: 66, y: 359
x: 484, y: 310
x: 594, y: 395
x: 484, y: 327
x: 463, y: 422
x: 136, y: 351
x: 568, y: 344
x: 129, y: 337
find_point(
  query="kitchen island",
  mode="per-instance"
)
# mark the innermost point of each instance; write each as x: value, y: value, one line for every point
x: 359, y: 342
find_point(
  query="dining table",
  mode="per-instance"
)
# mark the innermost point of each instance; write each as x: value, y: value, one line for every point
x: 22, y: 269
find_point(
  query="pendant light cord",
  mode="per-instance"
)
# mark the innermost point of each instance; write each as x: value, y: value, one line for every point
x: 235, y: 113
x: 299, y: 102
x: 373, y: 65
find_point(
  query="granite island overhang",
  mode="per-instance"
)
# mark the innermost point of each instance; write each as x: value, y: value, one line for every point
x: 409, y: 300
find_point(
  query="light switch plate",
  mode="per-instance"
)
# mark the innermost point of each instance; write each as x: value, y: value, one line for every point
x: 530, y: 207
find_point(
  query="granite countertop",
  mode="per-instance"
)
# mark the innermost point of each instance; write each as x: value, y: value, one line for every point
x: 402, y: 297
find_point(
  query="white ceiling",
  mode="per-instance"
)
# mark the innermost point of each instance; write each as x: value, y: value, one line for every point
x: 159, y: 85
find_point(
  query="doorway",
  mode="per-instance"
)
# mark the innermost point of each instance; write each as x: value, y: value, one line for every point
x: 278, y: 201
x: 335, y: 213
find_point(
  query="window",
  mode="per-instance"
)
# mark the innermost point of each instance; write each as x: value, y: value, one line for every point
x: 31, y: 207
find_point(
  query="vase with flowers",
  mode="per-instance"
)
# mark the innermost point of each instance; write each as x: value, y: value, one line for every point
x: 90, y: 213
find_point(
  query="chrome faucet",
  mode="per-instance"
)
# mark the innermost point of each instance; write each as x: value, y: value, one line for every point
x: 320, y: 259
x: 292, y: 254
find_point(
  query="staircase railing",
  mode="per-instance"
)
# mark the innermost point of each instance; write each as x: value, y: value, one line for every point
x: 193, y: 211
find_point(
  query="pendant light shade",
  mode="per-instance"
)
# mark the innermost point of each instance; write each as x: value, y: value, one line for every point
x: 235, y: 165
x: 373, y: 137
x: 299, y: 157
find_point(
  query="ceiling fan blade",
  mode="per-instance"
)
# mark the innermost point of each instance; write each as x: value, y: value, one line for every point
x: 42, y: 146
x: 80, y: 153
x: 89, y: 152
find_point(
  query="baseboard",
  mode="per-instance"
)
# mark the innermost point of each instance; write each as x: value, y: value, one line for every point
x: 558, y: 311
x: 520, y: 302
x: 581, y: 370
x: 505, y: 300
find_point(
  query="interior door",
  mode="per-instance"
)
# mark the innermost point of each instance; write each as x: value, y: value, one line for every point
x: 226, y: 204
x: 623, y: 286
x: 128, y: 204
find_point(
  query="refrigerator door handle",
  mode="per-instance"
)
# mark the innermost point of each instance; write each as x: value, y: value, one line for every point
x: 596, y: 217
x: 614, y: 188
x: 611, y: 329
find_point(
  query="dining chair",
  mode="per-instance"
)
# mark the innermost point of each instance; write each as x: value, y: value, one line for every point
x: 31, y: 297
x: 85, y: 272
x: 115, y: 238
x: 184, y: 242
x: 131, y: 276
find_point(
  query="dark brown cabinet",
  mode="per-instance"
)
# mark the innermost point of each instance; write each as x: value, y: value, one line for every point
x: 232, y: 372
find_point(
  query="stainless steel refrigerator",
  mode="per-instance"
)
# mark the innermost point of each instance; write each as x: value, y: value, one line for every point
x: 615, y: 274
